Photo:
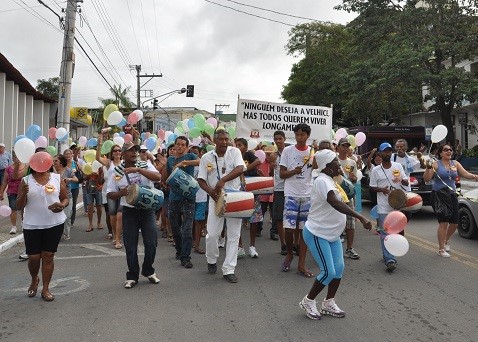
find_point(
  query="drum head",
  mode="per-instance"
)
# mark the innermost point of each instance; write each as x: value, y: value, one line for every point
x: 132, y: 194
x: 220, y: 204
x: 397, y: 199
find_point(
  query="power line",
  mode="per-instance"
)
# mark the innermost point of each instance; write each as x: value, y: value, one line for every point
x: 36, y: 15
x: 247, y: 13
x: 134, y: 32
x: 157, y: 39
x: 146, y: 34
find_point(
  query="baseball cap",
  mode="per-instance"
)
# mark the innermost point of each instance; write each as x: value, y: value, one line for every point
x: 384, y: 146
x: 343, y: 141
x: 128, y: 146
x: 2, y: 145
x: 143, y: 148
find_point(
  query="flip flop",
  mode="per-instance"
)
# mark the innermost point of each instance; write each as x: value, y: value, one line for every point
x: 100, y: 226
x: 118, y: 246
x: 89, y: 229
x: 306, y: 274
x: 285, y: 267
x: 48, y: 297
x: 199, y: 251
x: 32, y: 291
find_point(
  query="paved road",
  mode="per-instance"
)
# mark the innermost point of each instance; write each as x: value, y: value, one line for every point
x: 428, y: 298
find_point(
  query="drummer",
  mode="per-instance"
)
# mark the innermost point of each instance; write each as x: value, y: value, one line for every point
x: 220, y: 170
x: 131, y: 171
x: 181, y: 206
x: 383, y: 179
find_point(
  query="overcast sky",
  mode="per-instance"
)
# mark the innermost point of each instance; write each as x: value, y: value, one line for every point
x: 219, y: 50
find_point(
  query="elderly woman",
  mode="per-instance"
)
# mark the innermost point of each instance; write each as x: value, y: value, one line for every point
x: 43, y: 196
x: 322, y: 231
x: 444, y: 198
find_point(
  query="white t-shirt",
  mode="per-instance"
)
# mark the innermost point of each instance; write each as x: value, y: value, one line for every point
x: 201, y: 195
x: 324, y: 221
x: 381, y: 177
x: 413, y: 164
x: 297, y: 185
x: 212, y: 167
x: 278, y: 182
x: 115, y: 185
x: 349, y: 166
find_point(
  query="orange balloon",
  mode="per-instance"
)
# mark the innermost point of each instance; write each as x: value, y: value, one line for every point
x: 395, y: 222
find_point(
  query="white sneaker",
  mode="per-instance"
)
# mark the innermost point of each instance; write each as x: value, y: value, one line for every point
x: 153, y: 278
x: 128, y: 284
x: 443, y: 253
x: 447, y: 246
x: 221, y: 242
x: 253, y: 253
x: 310, y: 308
x: 240, y: 252
x: 330, y: 308
x: 13, y: 230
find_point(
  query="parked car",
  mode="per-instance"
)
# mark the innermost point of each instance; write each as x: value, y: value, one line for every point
x: 468, y: 214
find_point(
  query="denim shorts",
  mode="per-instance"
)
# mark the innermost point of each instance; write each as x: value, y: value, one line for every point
x: 12, y: 201
x: 200, y: 211
x: 94, y: 197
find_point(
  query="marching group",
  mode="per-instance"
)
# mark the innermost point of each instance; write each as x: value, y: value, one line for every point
x: 311, y: 205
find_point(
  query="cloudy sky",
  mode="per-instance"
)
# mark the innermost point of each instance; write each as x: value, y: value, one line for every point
x: 213, y: 45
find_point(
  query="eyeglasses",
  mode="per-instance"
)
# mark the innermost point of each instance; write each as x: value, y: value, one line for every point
x: 446, y: 149
x: 116, y: 150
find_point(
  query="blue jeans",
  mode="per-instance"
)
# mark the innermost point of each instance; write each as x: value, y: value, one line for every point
x: 133, y: 221
x: 181, y: 216
x: 387, y: 257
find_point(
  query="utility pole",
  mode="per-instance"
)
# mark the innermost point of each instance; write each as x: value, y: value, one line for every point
x: 219, y: 106
x: 66, y: 69
x: 139, y: 86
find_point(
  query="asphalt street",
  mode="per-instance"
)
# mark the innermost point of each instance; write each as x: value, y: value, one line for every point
x: 427, y: 298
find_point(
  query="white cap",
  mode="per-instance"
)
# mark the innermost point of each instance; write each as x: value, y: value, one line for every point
x: 323, y: 157
x: 2, y: 145
x: 142, y: 147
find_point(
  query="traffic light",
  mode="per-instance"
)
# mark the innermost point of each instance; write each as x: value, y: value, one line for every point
x: 189, y: 90
x: 155, y: 104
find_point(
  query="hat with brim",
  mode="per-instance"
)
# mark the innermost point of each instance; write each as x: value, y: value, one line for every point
x: 128, y: 146
x: 2, y: 145
x: 323, y: 157
x: 384, y: 146
x: 143, y: 148
x: 343, y: 141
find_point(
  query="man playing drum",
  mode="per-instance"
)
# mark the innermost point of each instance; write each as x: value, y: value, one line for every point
x: 383, y: 179
x: 181, y: 204
x: 130, y: 171
x: 219, y: 171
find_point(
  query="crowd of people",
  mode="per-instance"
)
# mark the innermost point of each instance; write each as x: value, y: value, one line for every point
x: 311, y: 207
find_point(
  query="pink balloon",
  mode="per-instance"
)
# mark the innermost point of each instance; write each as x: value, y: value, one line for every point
x: 128, y: 138
x: 341, y: 133
x: 161, y: 133
x: 41, y: 142
x: 133, y: 118
x: 261, y: 155
x: 212, y: 121
x: 360, y: 138
x: 146, y: 135
x: 395, y: 222
x: 41, y: 161
x: 5, y: 211
x: 52, y: 133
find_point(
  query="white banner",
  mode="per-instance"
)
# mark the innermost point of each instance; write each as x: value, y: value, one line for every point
x: 259, y: 120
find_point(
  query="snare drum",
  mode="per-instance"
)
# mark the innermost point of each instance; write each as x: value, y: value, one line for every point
x: 182, y: 183
x: 260, y: 185
x: 238, y: 204
x: 144, y: 197
x: 397, y: 199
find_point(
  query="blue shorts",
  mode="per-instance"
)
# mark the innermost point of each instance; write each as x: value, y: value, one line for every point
x: 12, y: 201
x: 200, y: 213
x: 296, y: 210
x: 94, y: 197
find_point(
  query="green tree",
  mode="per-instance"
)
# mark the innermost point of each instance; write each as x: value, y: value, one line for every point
x: 49, y: 87
x: 121, y: 98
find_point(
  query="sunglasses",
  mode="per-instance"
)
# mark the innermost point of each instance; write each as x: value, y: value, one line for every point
x: 446, y: 149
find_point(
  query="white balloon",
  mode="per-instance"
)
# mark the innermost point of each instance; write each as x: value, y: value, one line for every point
x: 60, y: 133
x: 115, y: 135
x: 251, y: 144
x: 177, y: 132
x: 359, y: 175
x: 118, y: 140
x: 139, y: 112
x: 96, y: 166
x: 396, y: 244
x: 82, y: 141
x: 115, y: 118
x: 341, y: 133
x: 24, y: 149
x: 439, y: 133
x: 185, y: 125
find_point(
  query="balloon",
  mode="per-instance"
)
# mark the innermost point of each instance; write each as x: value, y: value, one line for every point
x: 332, y: 134
x: 133, y: 118
x: 351, y: 140
x: 147, y: 134
x: 64, y: 138
x: 106, y: 147
x: 5, y: 211
x: 197, y: 141
x: 209, y: 129
x: 115, y: 118
x: 24, y: 149
x: 18, y: 137
x: 128, y: 138
x: 51, y: 150
x: 89, y: 119
x: 395, y: 222
x: 96, y: 166
x: 191, y: 123
x: 139, y: 113
x: 88, y: 169
x: 143, y: 136
x: 439, y: 133
x: 261, y: 155
x: 120, y: 134
x: 251, y: 144
x: 116, y: 135
x: 171, y: 138
x: 122, y: 123
x: 194, y: 132
x: 178, y: 132
x: 41, y: 161
x: 118, y: 141
x: 82, y: 141
x: 199, y: 121
x: 92, y: 142
x: 359, y: 175
x: 89, y: 156
x: 60, y: 133
x: 154, y: 136
x: 41, y: 141
x: 209, y: 148
x: 166, y: 135
x: 396, y: 244
x: 108, y: 110
x: 161, y: 134
x: 52, y: 133
x: 374, y: 212
x: 341, y: 133
x: 150, y: 143
x: 360, y: 138
x: 185, y: 125
x: 212, y: 121
x: 33, y: 132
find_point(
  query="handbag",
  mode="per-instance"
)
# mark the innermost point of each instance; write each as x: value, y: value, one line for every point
x: 78, y: 173
x: 441, y: 202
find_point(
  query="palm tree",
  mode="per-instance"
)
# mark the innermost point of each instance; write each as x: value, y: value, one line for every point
x: 121, y: 98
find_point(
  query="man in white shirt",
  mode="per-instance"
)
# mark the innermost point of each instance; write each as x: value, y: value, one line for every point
x: 132, y: 171
x: 409, y: 163
x: 219, y: 170
x: 384, y: 178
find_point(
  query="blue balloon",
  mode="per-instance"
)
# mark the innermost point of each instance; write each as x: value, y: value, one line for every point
x: 171, y: 138
x: 122, y: 123
x: 191, y: 123
x: 374, y: 212
x: 122, y: 134
x: 143, y: 136
x: 150, y: 143
x: 33, y: 132
x: 19, y: 137
x: 92, y: 142
x: 65, y: 138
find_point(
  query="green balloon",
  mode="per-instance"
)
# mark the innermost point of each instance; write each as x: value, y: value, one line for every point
x: 194, y: 132
x: 209, y: 128
x: 106, y: 147
x: 199, y: 121
x: 154, y: 136
x: 51, y: 150
x: 209, y: 148
x: 232, y: 132
x: 180, y: 129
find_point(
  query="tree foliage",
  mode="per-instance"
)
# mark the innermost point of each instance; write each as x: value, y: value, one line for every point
x: 49, y: 87
x: 121, y: 98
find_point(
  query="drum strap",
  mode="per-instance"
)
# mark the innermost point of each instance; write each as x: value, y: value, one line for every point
x: 223, y: 170
x: 389, y: 180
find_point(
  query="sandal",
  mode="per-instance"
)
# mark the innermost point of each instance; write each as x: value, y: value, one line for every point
x: 285, y: 267
x: 199, y: 250
x: 100, y: 226
x: 305, y: 273
x: 32, y: 291
x: 118, y: 246
x: 89, y: 229
x: 170, y: 238
x: 48, y: 297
